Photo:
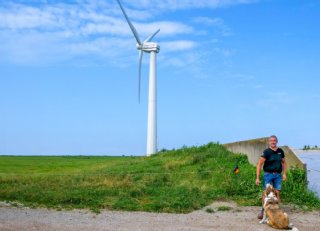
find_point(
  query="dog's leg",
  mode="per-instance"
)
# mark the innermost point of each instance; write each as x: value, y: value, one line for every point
x: 264, y: 217
x: 293, y: 228
x: 264, y: 211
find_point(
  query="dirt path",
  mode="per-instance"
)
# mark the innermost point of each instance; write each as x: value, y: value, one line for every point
x: 238, y: 218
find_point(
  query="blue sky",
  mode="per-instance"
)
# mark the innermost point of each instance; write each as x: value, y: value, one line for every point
x: 228, y: 70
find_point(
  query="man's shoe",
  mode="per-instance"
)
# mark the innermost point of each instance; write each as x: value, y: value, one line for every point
x: 260, y: 215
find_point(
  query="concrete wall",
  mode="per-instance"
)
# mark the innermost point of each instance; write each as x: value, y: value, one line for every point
x: 254, y: 148
x: 293, y: 159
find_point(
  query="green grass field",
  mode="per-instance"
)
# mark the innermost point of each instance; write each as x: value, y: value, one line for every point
x: 173, y: 181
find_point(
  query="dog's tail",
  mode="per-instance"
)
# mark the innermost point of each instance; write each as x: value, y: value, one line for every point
x: 293, y: 228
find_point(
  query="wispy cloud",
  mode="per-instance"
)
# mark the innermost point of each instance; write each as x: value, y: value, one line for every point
x: 224, y: 51
x: 44, y: 31
x: 214, y: 22
x: 185, y: 4
x: 275, y: 100
x: 248, y: 81
x: 179, y: 45
x: 78, y: 20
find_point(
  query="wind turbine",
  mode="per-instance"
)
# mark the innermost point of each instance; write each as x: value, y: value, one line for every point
x: 151, y: 48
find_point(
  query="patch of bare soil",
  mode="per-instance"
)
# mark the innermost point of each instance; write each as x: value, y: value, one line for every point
x: 218, y: 216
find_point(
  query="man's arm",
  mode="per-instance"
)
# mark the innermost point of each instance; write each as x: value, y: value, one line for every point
x: 284, y: 169
x: 259, y: 165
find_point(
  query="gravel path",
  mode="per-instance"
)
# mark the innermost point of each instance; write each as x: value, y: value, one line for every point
x: 238, y: 218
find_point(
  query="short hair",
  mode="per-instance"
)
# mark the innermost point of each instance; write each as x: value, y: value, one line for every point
x: 273, y: 136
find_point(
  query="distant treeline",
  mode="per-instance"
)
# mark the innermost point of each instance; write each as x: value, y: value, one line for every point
x: 308, y: 147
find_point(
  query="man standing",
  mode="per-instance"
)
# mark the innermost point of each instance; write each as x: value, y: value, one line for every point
x: 274, y: 163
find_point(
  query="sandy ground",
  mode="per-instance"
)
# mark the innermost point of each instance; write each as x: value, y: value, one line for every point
x: 238, y: 218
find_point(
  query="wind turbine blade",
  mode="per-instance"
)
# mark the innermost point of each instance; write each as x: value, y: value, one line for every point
x: 151, y: 36
x: 133, y: 29
x: 139, y: 77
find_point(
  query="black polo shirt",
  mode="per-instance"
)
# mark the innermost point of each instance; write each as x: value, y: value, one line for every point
x: 273, y: 161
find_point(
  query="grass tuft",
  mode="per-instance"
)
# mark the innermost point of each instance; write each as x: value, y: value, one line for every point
x: 224, y: 208
x: 209, y: 210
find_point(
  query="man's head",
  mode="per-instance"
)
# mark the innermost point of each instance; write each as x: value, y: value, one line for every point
x: 273, y: 141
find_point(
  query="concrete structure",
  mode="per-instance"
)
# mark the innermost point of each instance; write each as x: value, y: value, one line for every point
x: 254, y: 148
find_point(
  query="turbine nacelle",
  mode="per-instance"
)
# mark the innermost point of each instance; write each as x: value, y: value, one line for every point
x: 148, y: 47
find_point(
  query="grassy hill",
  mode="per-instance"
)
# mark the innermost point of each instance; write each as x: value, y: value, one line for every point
x: 172, y: 181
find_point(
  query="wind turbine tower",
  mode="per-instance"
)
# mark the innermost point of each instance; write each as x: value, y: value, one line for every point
x: 152, y: 48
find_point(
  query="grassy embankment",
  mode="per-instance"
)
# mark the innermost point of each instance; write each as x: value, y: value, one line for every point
x: 173, y: 181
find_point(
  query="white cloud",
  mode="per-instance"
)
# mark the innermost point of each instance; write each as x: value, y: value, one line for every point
x: 179, y: 45
x: 43, y: 31
x: 191, y: 59
x: 21, y: 17
x: 167, y: 28
x: 185, y: 4
x: 275, y: 99
x: 79, y: 19
x: 241, y: 77
x: 214, y: 22
x: 224, y: 52
x: 208, y: 21
x: 119, y: 27
x: 244, y: 81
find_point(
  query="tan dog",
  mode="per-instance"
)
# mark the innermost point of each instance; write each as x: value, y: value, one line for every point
x: 273, y: 215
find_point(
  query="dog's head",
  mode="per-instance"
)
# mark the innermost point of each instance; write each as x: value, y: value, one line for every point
x: 270, y: 192
x: 271, y: 201
x: 271, y: 197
